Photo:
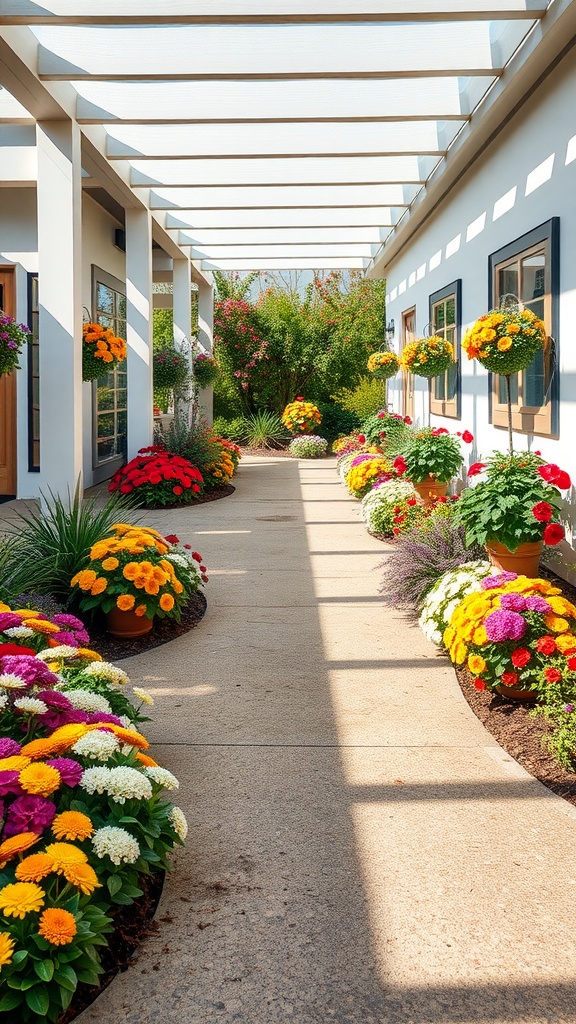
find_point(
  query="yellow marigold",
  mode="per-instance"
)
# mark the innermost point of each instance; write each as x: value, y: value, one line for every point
x: 131, y: 570
x: 41, y: 626
x: 460, y: 652
x: 110, y: 563
x: 21, y: 898
x: 512, y: 329
x: 504, y: 344
x: 140, y: 610
x: 72, y: 825
x: 40, y: 779
x: 480, y: 636
x: 15, y: 763
x: 57, y: 926
x: 162, y: 548
x: 99, y: 586
x: 63, y: 855
x: 121, y: 528
x: 487, y: 334
x: 449, y: 636
x: 7, y: 944
x: 134, y: 739
x: 86, y: 578
x: 561, y: 606
x: 476, y: 664
x: 177, y: 586
x: 556, y: 624
x: 17, y: 844
x: 166, y: 602
x: 5, y: 607
x: 125, y: 602
x: 83, y: 877
x: 160, y: 576
x: 566, y: 643
x: 34, y: 868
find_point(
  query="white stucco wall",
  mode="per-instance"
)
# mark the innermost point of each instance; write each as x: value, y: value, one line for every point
x: 526, y: 177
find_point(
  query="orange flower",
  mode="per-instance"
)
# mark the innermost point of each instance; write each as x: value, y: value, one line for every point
x: 40, y: 779
x: 72, y: 825
x: 125, y: 602
x: 135, y: 739
x: 99, y: 586
x: 140, y: 610
x: 34, y: 868
x: 15, y: 763
x: 166, y: 602
x: 57, y: 926
x: 147, y: 761
x: 37, y: 749
x: 83, y: 877
x: 41, y: 626
x: 17, y: 844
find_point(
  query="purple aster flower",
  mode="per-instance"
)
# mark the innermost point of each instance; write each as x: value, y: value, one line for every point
x: 363, y: 457
x: 537, y: 604
x: 9, y: 782
x: 8, y: 620
x: 105, y: 717
x: 498, y: 581
x: 31, y: 670
x: 513, y: 602
x: 8, y: 747
x: 63, y: 619
x: 568, y: 708
x: 29, y: 814
x: 70, y: 771
x: 502, y: 625
x: 64, y: 637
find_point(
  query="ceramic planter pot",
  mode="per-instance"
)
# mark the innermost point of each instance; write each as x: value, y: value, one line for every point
x: 524, y: 561
x: 127, y: 624
x: 516, y: 693
x: 430, y: 489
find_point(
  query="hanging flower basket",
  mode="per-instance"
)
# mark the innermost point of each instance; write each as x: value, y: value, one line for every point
x: 505, y: 340
x: 171, y: 369
x: 301, y: 417
x: 102, y: 351
x: 205, y: 370
x: 12, y: 338
x: 383, y: 364
x: 427, y: 357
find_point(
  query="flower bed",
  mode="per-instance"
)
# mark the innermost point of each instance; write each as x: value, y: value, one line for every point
x: 158, y: 478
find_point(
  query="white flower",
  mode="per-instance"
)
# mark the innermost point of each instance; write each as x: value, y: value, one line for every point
x: 162, y: 777
x: 86, y: 700
x: 143, y: 695
x: 3, y: 700
x: 8, y: 681
x: 59, y: 653
x: 444, y: 597
x: 106, y: 670
x: 178, y: 560
x: 115, y: 843
x: 19, y: 632
x: 179, y: 823
x: 95, y: 780
x: 31, y: 706
x: 126, y: 722
x: 128, y: 784
x: 98, y: 745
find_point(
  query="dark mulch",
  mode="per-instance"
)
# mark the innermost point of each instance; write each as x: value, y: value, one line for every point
x: 213, y: 495
x: 114, y: 648
x: 131, y: 925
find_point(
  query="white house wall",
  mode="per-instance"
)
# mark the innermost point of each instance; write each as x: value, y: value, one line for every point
x: 526, y: 177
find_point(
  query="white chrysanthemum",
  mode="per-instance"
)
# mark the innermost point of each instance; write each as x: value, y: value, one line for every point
x: 115, y: 843
x: 85, y: 700
x: 8, y: 681
x: 444, y: 597
x: 18, y: 632
x: 3, y: 700
x: 177, y: 559
x: 106, y: 670
x: 162, y: 777
x: 59, y: 653
x: 179, y: 824
x: 143, y: 695
x: 95, y: 780
x: 98, y: 745
x: 128, y: 784
x: 126, y: 722
x: 31, y: 706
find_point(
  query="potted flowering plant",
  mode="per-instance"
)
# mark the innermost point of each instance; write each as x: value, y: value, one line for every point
x: 133, y: 575
x: 383, y: 364
x: 171, y: 369
x: 516, y: 636
x: 427, y: 357
x: 431, y: 458
x: 205, y: 370
x: 365, y: 469
x: 12, y: 338
x: 301, y: 417
x: 157, y: 478
x: 512, y: 510
x: 102, y: 350
x: 388, y: 429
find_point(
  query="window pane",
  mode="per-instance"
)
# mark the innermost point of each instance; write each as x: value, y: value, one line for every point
x: 534, y: 382
x: 105, y: 398
x: 450, y: 311
x: 440, y: 387
x: 439, y: 318
x: 111, y: 389
x: 508, y: 285
x: 106, y: 321
x: 533, y: 277
x: 104, y: 301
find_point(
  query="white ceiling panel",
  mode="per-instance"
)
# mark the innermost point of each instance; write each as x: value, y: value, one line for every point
x: 200, y: 237
x: 242, y: 220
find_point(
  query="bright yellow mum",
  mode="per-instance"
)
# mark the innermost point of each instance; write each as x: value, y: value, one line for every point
x: 7, y: 944
x: 72, y: 825
x: 21, y: 898
x: 40, y: 779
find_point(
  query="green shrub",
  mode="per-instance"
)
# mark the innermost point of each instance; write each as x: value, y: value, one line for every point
x: 336, y: 421
x: 265, y: 430
x: 363, y: 400
x: 194, y: 442
x: 231, y: 430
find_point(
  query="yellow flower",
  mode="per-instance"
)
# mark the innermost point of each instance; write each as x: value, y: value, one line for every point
x: 504, y: 344
x: 143, y: 695
x: 7, y: 944
x: 566, y: 643
x: 86, y: 579
x: 86, y: 652
x: 480, y: 636
x: 40, y: 779
x: 125, y: 602
x: 34, y: 868
x: 110, y: 563
x: 476, y: 664
x: 512, y: 329
x: 131, y: 570
x: 21, y: 898
x: 72, y: 825
x: 556, y: 624
x: 134, y: 739
x: 64, y: 854
x: 460, y: 652
x: 83, y: 877
x: 15, y: 763
x: 57, y: 926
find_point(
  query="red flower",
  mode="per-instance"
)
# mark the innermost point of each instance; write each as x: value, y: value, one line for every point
x: 396, y: 530
x: 408, y: 421
x: 6, y: 649
x: 381, y: 415
x: 171, y: 538
x: 412, y: 502
x: 178, y: 490
x: 361, y: 438
x: 399, y: 519
x: 438, y: 431
x: 553, y: 533
x: 454, y: 497
x: 476, y: 468
x: 196, y: 556
x: 552, y: 675
x: 546, y: 645
x: 509, y: 678
x: 299, y: 398
x: 552, y: 474
x: 382, y: 433
x: 467, y: 437
x: 571, y: 664
x: 479, y: 684
x: 520, y: 657
x: 188, y: 547
x: 126, y: 488
x: 542, y: 511
x: 400, y: 465
x: 203, y: 568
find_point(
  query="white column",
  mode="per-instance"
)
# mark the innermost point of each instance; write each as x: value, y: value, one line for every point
x: 139, y: 329
x: 182, y: 310
x: 60, y: 304
x: 206, y: 340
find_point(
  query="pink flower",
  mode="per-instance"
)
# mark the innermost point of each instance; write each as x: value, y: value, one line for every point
x: 503, y: 625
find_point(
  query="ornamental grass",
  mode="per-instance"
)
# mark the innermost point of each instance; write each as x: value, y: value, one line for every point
x: 85, y: 817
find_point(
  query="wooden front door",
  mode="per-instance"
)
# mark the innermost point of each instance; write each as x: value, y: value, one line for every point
x: 408, y: 334
x: 7, y: 395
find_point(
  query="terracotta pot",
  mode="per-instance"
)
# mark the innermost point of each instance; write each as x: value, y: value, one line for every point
x: 127, y: 624
x: 516, y: 693
x: 524, y: 560
x: 430, y: 489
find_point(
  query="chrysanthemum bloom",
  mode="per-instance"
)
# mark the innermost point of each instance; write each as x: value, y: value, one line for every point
x: 7, y: 944
x: 72, y: 825
x: 552, y: 675
x: 34, y: 868
x: 179, y: 824
x: 117, y: 844
x: 57, y: 926
x: 70, y: 771
x: 546, y: 645
x: 502, y: 625
x: 14, y: 763
x: 162, y: 777
x: 29, y: 813
x: 520, y: 657
x: 64, y: 854
x: 21, y: 898
x: 83, y: 877
x: 40, y: 779
x: 8, y: 747
x: 17, y: 844
x: 143, y: 695
x: 86, y: 700
x: 134, y: 739
x: 144, y: 759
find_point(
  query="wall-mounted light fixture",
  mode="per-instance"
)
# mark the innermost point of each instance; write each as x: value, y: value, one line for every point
x: 390, y: 328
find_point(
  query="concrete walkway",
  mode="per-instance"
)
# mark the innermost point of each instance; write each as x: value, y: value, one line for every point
x: 360, y: 849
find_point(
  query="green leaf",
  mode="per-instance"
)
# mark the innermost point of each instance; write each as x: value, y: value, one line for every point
x: 10, y: 1001
x: 125, y: 901
x: 44, y: 969
x: 114, y: 884
x: 38, y: 1000
x: 66, y: 977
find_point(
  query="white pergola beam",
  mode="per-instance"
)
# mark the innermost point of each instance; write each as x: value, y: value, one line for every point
x: 239, y: 221
x: 279, y: 252
x: 81, y: 12
x: 280, y: 236
x: 269, y: 197
x: 308, y: 263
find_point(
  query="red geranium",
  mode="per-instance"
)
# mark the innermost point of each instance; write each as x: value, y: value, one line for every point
x: 361, y: 438
x: 571, y: 664
x: 509, y: 678
x: 476, y: 468
x: 552, y: 675
x: 467, y: 437
x: 520, y: 657
x: 400, y: 465
x: 408, y: 421
x: 171, y: 538
x: 542, y: 511
x: 546, y: 645
x: 479, y: 684
x: 552, y: 474
x: 412, y: 502
x: 553, y: 533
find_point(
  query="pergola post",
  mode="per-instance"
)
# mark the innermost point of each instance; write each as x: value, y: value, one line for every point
x: 182, y: 313
x: 60, y: 304
x: 206, y: 340
x: 139, y: 328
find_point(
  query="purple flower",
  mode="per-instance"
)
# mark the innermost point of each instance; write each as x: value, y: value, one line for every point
x: 64, y: 637
x: 513, y: 602
x: 63, y: 619
x: 568, y: 708
x: 537, y: 604
x: 29, y: 814
x: 8, y: 620
x: 103, y: 716
x: 31, y: 670
x: 502, y: 625
x: 363, y: 457
x: 55, y: 699
x: 498, y: 581
x: 8, y: 747
x: 70, y: 771
x: 9, y: 782
x: 54, y: 719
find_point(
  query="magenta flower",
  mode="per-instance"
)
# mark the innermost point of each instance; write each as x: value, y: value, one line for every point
x: 364, y: 457
x: 513, y: 602
x: 31, y: 670
x: 54, y: 719
x: 9, y: 782
x: 8, y: 747
x: 502, y: 625
x: 70, y: 771
x: 8, y: 620
x: 55, y: 699
x: 537, y: 604
x: 73, y: 623
x: 104, y: 717
x: 498, y: 581
x: 29, y: 814
x: 65, y: 637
